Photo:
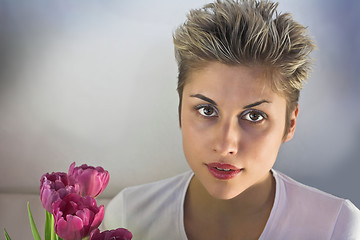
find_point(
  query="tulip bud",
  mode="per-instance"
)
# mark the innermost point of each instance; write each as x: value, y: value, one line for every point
x: 91, y: 181
x: 53, y: 187
x: 117, y: 234
x: 76, y: 216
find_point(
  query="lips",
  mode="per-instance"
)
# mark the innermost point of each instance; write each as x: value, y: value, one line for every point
x: 223, y: 171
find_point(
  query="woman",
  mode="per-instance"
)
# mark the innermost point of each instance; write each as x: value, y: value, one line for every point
x: 241, y: 68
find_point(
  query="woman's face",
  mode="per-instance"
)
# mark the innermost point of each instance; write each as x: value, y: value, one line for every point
x: 232, y: 127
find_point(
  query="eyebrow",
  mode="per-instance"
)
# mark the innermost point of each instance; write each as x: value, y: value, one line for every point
x: 214, y: 103
x: 206, y: 99
x: 256, y: 104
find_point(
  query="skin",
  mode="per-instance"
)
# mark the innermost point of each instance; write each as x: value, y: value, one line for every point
x: 231, y: 115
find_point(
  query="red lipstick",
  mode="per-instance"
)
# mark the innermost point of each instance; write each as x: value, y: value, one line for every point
x: 223, y: 171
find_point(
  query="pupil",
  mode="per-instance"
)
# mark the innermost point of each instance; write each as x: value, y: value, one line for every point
x: 208, y: 111
x: 254, y: 116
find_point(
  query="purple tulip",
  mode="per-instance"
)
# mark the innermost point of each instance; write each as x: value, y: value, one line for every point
x: 91, y: 181
x: 76, y: 216
x: 117, y: 234
x: 54, y: 186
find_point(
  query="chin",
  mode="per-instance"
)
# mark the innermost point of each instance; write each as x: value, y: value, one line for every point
x: 223, y: 194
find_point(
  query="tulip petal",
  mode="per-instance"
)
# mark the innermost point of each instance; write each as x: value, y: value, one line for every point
x: 71, y: 168
x: 118, y: 234
x: 54, y: 186
x: 91, y: 181
x: 98, y: 217
x: 73, y: 209
x: 69, y: 229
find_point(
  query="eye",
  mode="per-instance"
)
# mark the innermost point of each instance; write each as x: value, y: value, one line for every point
x: 254, y: 116
x: 207, y: 110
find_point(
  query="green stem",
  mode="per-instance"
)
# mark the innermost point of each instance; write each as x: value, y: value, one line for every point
x: 34, y: 230
x: 6, y: 235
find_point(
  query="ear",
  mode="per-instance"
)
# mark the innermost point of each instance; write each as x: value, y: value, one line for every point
x: 293, y: 117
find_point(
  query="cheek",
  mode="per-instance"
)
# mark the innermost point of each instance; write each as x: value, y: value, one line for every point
x: 196, y: 136
x: 264, y: 145
x: 189, y: 136
x: 269, y: 145
x: 191, y: 146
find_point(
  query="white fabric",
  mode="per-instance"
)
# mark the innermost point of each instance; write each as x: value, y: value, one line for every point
x: 154, y: 211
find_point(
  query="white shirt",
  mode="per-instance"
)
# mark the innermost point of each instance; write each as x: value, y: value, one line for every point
x: 155, y: 211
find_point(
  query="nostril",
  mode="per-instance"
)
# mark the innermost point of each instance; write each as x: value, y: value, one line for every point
x: 228, y: 149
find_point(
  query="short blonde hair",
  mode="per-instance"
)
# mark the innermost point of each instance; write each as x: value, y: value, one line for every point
x: 246, y: 32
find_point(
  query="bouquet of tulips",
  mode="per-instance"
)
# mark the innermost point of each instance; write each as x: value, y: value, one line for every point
x: 71, y: 209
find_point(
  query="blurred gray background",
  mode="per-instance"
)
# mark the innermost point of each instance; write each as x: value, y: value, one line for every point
x: 95, y: 82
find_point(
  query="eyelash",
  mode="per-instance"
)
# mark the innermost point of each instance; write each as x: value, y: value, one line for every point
x: 200, y: 107
x: 244, y: 115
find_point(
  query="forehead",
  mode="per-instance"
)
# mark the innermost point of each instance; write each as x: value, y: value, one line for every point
x: 229, y: 81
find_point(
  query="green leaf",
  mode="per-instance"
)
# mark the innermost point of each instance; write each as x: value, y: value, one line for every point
x: 6, y: 235
x: 49, y: 227
x: 34, y: 230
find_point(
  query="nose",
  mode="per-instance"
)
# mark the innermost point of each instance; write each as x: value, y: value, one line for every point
x: 227, y: 137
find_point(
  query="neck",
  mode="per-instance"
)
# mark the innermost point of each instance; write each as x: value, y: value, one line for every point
x: 255, y: 200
